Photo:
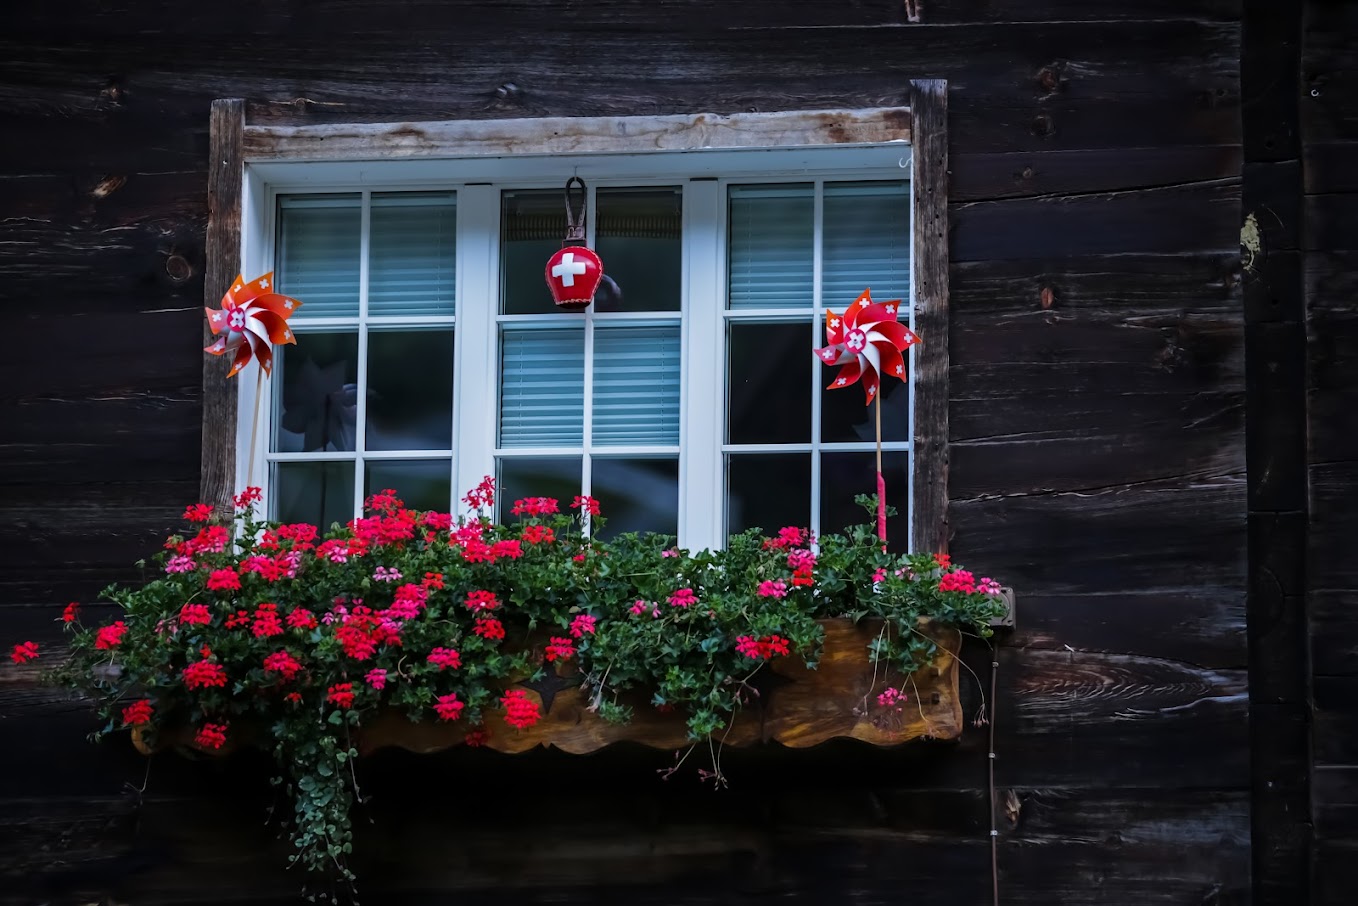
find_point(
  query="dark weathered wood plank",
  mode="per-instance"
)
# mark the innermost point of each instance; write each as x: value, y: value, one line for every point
x: 225, y: 177
x: 929, y: 482
x: 1334, y: 632
x: 1336, y: 720
x: 1021, y: 174
x: 1165, y: 220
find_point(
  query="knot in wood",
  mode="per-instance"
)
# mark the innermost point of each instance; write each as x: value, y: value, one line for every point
x: 1043, y: 124
x: 1047, y: 297
x: 178, y: 267
x: 107, y: 186
x: 507, y: 91
x: 1052, y: 77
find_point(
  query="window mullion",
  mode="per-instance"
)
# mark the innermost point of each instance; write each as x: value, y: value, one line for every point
x: 361, y: 426
x: 587, y: 426
x: 817, y: 266
x: 476, y: 339
x: 702, y: 495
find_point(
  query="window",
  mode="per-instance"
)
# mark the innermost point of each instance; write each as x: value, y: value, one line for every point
x: 686, y: 399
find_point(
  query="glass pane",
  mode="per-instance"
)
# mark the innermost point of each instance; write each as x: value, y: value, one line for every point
x: 636, y: 495
x: 410, y: 390
x: 845, y: 416
x: 555, y: 476
x: 636, y: 385
x: 423, y: 484
x: 533, y: 223
x: 411, y: 254
x: 769, y: 387
x: 320, y: 493
x: 318, y: 252
x: 844, y: 475
x: 768, y: 490
x: 770, y: 239
x: 866, y: 242
x: 638, y: 236
x: 542, y: 388
x: 316, y: 407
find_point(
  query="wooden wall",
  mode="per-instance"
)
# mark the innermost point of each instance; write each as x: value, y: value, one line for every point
x: 1099, y: 393
x: 1329, y: 263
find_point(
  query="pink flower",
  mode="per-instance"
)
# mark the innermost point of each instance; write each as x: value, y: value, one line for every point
x: 961, y: 580
x: 640, y: 607
x: 684, y: 597
x: 879, y: 576
x: 181, y: 563
x: 448, y: 707
x: 762, y: 649
x: 671, y: 552
x: 445, y: 658
x: 582, y: 624
x: 377, y: 678
x: 800, y: 558
x: 382, y: 574
x: 988, y: 586
x: 891, y: 697
x: 773, y: 588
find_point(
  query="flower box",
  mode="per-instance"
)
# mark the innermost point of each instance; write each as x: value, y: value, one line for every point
x: 788, y: 704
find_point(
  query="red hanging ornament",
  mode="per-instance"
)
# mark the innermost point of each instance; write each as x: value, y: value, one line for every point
x: 574, y: 272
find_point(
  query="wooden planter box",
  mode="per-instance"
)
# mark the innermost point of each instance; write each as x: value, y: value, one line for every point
x: 794, y: 706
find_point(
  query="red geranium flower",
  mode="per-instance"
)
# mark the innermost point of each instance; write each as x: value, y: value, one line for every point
x: 211, y: 736
x: 194, y: 615
x: 137, y: 713
x: 445, y: 658
x: 283, y: 663
x: 110, y: 636
x: 198, y: 512
x: 71, y: 613
x: 478, y: 601
x: 341, y: 695
x: 489, y: 628
x: 23, y: 652
x: 223, y: 580
x: 559, y: 648
x: 520, y: 710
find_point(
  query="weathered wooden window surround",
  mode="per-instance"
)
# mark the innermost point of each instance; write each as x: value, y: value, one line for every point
x: 251, y: 163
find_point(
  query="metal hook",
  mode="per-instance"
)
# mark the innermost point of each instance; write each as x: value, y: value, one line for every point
x: 575, y: 224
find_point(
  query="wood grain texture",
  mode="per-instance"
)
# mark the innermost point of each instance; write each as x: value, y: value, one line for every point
x: 575, y: 135
x: 225, y: 180
x: 929, y: 283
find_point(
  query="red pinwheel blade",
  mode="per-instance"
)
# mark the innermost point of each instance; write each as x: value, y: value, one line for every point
x: 216, y: 320
x: 900, y: 335
x: 242, y: 359
x: 892, y: 361
x: 277, y: 303
x: 847, y: 375
x: 272, y: 325
x: 834, y: 328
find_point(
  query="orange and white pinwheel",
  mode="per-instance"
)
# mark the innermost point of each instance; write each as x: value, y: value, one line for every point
x: 252, y: 318
x: 868, y: 341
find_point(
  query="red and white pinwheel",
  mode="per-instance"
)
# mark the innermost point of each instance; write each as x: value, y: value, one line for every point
x: 252, y: 318
x: 868, y: 341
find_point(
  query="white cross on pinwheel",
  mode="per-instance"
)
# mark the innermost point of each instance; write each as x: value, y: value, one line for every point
x: 568, y: 269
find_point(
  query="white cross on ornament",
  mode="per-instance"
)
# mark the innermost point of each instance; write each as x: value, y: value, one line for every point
x: 567, y: 270
x: 263, y: 284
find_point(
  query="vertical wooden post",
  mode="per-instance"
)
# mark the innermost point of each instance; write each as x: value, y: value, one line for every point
x: 217, y: 477
x: 929, y: 481
x: 1282, y: 830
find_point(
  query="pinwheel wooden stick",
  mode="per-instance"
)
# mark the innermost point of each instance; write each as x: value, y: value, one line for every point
x: 868, y: 341
x: 252, y: 318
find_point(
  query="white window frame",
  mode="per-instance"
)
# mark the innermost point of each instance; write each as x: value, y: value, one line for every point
x: 867, y: 145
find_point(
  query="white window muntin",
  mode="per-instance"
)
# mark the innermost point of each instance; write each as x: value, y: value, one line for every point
x: 704, y: 314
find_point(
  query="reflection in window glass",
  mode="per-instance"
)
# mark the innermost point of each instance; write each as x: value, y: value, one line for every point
x: 636, y: 495
x: 768, y: 491
x: 638, y: 236
x: 532, y: 224
x: 845, y: 475
x: 321, y: 493
x: 316, y: 382
x: 769, y: 383
x: 537, y: 476
x: 542, y: 388
x: 410, y: 390
x: 636, y: 385
x: 422, y: 484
